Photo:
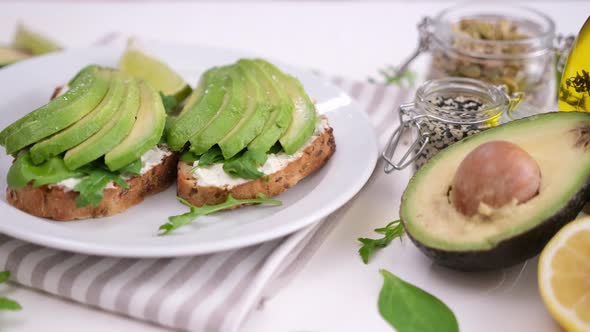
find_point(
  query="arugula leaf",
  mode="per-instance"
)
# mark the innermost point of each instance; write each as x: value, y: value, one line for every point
x: 393, y: 230
x: 211, y: 157
x: 134, y: 168
x: 277, y: 148
x: 92, y: 186
x: 175, y: 222
x: 169, y: 102
x: 24, y: 171
x: 408, y: 308
x: 6, y: 303
x: 189, y: 157
x: 392, y: 76
x: 246, y: 165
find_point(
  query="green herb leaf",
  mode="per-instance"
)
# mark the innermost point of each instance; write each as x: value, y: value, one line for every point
x: 211, y: 157
x: 52, y: 171
x: 189, y: 157
x: 408, y: 308
x: 392, y: 231
x: 6, y: 303
x: 246, y: 165
x: 392, y: 76
x: 277, y: 148
x: 169, y: 102
x: 92, y: 186
x: 133, y: 168
x: 195, y: 212
x: 4, y: 276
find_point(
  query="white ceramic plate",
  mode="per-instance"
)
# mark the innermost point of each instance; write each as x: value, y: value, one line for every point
x: 133, y: 233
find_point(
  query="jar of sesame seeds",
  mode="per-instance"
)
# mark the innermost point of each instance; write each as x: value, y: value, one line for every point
x: 443, y: 112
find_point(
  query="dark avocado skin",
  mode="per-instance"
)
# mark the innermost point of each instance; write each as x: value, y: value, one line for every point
x: 514, y: 250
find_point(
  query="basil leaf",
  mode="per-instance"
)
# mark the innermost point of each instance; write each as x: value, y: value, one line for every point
x: 52, y: 171
x: 393, y: 230
x: 6, y: 303
x: 175, y: 222
x: 91, y: 187
x: 4, y: 276
x: 246, y: 165
x: 134, y: 168
x: 211, y: 157
x: 169, y: 102
x: 408, y: 308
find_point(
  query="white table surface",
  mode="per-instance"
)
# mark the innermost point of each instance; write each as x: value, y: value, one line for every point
x: 335, y: 292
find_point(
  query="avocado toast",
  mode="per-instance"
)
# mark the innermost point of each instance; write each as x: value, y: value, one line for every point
x: 92, y: 151
x: 258, y: 134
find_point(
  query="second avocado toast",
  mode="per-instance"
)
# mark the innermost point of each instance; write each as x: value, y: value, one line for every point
x: 247, y: 131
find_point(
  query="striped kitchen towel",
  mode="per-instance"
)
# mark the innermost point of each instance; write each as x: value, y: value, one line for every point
x: 206, y: 293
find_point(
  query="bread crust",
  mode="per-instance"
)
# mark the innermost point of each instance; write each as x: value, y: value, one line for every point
x: 55, y: 203
x: 314, y: 157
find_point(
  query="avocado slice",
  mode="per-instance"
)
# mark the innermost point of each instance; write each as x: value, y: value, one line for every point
x: 304, y: 114
x: 281, y: 112
x: 87, y: 90
x: 111, y: 134
x: 228, y: 115
x: 201, y: 106
x: 558, y: 142
x: 253, y: 120
x: 86, y: 127
x: 10, y: 55
x: 146, y: 132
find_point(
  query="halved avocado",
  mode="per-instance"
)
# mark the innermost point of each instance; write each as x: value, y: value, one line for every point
x: 304, y: 119
x: 86, y: 127
x: 146, y: 132
x: 200, y: 108
x: 228, y: 116
x: 253, y: 120
x: 111, y: 134
x: 87, y: 90
x: 281, y: 112
x: 558, y: 142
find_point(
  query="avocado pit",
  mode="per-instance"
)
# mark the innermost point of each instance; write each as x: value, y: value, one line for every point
x: 493, y: 175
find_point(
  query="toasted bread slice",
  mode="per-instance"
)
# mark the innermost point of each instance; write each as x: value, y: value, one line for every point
x: 54, y: 203
x: 314, y: 156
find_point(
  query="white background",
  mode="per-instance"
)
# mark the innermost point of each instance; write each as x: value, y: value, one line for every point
x: 335, y: 292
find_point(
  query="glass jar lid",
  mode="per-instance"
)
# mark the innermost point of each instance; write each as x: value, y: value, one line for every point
x: 450, y: 101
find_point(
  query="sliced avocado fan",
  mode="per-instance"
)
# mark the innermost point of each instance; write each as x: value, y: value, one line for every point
x: 304, y: 119
x: 146, y: 132
x: 558, y: 142
x: 109, y: 136
x: 85, y: 127
x: 200, y: 108
x: 281, y: 111
x: 87, y: 91
x: 253, y: 120
x: 217, y: 124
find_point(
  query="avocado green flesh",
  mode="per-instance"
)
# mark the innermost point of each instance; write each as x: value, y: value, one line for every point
x: 228, y: 115
x: 87, y: 92
x: 281, y: 112
x: 86, y: 127
x: 304, y: 114
x: 146, y: 132
x: 203, y: 105
x: 252, y: 122
x: 109, y: 136
x: 556, y: 141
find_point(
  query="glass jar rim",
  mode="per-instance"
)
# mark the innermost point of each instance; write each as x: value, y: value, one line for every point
x: 497, y: 100
x: 542, y: 40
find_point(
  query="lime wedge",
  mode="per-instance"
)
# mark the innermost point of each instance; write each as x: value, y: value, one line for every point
x: 9, y: 55
x: 137, y: 63
x: 33, y: 42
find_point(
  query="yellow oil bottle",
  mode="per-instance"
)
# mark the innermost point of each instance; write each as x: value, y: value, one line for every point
x: 574, y: 89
